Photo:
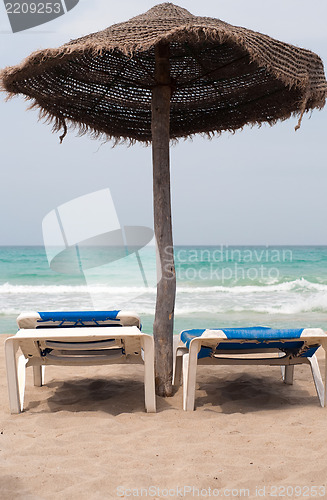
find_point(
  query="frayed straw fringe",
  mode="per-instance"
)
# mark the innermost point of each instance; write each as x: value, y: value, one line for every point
x: 82, y: 129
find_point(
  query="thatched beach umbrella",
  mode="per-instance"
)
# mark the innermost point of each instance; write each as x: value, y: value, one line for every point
x: 164, y: 75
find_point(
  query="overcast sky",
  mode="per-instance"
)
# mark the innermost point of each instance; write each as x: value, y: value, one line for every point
x: 259, y: 186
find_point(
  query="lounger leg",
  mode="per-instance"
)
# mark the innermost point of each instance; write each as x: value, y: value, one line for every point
x: 12, y: 376
x: 324, y: 346
x: 21, y: 379
x: 149, y: 383
x: 178, y: 368
x: 185, y: 378
x: 288, y: 374
x: 190, y: 363
x: 287, y: 371
x: 317, y: 379
x: 38, y: 375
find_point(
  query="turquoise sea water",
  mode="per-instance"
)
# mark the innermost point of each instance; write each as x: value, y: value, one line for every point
x: 216, y: 286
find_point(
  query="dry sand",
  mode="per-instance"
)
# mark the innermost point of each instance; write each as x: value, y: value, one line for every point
x: 85, y: 435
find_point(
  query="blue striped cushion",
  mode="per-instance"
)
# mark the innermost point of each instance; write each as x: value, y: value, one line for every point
x: 79, y: 318
x: 261, y: 334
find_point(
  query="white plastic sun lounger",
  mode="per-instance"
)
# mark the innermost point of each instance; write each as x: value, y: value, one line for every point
x: 76, y: 339
x: 234, y: 346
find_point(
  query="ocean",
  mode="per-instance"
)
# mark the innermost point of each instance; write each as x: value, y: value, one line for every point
x: 216, y: 286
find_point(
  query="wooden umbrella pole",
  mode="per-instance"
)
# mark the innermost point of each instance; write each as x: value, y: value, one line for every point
x: 166, y: 288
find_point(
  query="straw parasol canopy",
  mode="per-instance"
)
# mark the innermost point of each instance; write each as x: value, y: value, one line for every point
x: 161, y: 76
x: 221, y: 76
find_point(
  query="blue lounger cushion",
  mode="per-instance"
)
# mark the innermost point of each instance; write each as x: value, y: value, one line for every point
x: 80, y: 318
x: 265, y: 337
x: 71, y: 319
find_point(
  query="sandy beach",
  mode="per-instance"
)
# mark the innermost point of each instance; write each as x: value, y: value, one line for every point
x: 223, y: 231
x: 85, y: 435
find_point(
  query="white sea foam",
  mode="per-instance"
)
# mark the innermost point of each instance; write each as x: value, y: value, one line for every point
x: 237, y: 289
x: 298, y: 284
x: 290, y: 297
x: 314, y: 304
x: 9, y: 312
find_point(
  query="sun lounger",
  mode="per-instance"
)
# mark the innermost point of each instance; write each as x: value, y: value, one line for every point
x: 248, y: 346
x: 76, y: 339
